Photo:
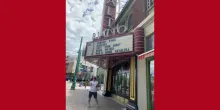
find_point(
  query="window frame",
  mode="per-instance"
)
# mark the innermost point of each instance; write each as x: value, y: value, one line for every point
x: 148, y: 8
x: 149, y: 5
x: 145, y: 42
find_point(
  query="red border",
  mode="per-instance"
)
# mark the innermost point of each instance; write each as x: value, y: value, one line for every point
x: 32, y: 55
x: 187, y: 55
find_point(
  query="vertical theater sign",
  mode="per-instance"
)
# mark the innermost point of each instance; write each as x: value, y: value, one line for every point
x: 112, y: 40
x: 108, y: 20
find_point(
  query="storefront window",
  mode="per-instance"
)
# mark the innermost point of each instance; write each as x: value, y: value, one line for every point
x: 115, y: 84
x: 152, y: 81
x: 123, y: 83
x: 127, y: 86
x: 119, y: 82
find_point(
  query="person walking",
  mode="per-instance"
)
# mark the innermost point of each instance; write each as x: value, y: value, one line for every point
x: 93, y: 90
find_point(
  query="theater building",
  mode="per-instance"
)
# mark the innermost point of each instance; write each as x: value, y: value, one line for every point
x: 117, y: 50
x: 70, y: 61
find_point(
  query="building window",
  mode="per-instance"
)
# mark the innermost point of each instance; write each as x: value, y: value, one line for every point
x: 150, y: 4
x: 91, y: 69
x: 149, y: 42
x: 86, y: 68
x: 129, y: 22
x: 67, y: 65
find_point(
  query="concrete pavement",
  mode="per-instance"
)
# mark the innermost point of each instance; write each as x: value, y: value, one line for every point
x: 78, y: 100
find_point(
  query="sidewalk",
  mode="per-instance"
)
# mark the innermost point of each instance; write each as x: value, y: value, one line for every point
x: 78, y: 100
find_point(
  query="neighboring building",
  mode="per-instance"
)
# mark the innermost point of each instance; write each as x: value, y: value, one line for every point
x: 70, y: 61
x: 100, y: 77
x: 145, y: 67
x: 86, y: 69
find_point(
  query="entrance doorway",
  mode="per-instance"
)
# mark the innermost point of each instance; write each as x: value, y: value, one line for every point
x: 121, y: 80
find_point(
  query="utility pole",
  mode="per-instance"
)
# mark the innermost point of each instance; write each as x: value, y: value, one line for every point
x: 77, y: 66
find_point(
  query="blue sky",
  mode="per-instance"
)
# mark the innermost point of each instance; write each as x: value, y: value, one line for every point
x: 83, y: 18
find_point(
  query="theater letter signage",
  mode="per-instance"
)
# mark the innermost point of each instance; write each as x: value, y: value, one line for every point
x: 110, y: 46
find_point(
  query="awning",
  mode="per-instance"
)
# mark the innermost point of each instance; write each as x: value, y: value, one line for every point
x: 146, y: 55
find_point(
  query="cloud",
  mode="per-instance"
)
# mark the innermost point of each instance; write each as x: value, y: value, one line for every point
x: 83, y: 17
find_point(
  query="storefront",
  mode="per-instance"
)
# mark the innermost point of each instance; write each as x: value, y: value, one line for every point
x: 116, y: 49
x: 116, y: 55
x: 120, y: 86
x: 146, y: 80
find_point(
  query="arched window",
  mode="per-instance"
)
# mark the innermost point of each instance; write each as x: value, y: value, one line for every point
x: 129, y: 21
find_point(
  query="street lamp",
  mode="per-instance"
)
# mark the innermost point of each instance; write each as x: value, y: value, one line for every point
x: 77, y: 66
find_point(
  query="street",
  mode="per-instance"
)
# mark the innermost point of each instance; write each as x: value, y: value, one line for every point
x: 78, y: 100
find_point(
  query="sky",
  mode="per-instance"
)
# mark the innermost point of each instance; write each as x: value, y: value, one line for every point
x: 83, y: 18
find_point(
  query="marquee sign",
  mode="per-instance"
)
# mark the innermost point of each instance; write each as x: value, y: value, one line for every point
x: 110, y: 46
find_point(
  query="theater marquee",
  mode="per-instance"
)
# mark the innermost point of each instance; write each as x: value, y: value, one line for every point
x: 110, y: 46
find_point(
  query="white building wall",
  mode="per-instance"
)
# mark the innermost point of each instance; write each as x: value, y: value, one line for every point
x: 148, y: 29
x: 142, y: 89
x: 71, y: 60
x: 90, y: 65
x: 74, y: 59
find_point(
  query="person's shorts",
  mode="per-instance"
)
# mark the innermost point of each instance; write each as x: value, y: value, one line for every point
x: 94, y: 94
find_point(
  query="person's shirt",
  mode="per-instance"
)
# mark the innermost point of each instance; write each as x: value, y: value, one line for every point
x: 93, y: 85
